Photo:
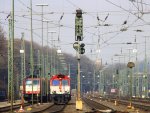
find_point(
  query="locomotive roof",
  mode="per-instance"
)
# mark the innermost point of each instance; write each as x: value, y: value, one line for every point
x: 34, y: 76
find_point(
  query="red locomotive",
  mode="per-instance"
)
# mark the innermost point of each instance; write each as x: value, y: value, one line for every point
x: 39, y: 85
x: 60, y: 89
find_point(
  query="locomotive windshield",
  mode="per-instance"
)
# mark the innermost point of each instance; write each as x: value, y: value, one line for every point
x: 55, y: 82
x: 35, y: 82
x: 28, y: 82
x: 65, y: 82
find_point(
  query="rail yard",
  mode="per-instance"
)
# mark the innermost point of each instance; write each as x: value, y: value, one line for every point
x: 74, y: 56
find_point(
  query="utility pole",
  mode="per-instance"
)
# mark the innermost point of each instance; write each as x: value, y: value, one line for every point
x: 42, y: 54
x: 47, y: 61
x: 39, y: 70
x: 9, y: 61
x: 69, y: 69
x: 80, y: 50
x: 31, y: 50
x: 11, y: 58
x: 78, y: 95
x: 137, y: 76
x: 54, y: 57
x: 52, y: 60
x: 101, y: 82
x: 130, y: 65
x: 47, y: 64
x: 24, y: 58
x: 129, y: 71
x: 145, y: 77
x: 94, y: 81
x: 113, y: 76
x: 22, y: 51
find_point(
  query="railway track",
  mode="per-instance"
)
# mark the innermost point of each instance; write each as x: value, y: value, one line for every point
x: 15, y: 107
x: 45, y: 108
x: 142, y: 105
x: 51, y: 109
x: 97, y: 107
x: 139, y: 105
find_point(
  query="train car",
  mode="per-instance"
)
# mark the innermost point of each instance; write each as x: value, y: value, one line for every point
x: 39, y: 89
x: 60, y: 89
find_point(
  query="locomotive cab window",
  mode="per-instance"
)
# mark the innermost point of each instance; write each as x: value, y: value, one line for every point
x: 65, y: 82
x: 35, y: 82
x: 55, y: 82
x: 28, y: 82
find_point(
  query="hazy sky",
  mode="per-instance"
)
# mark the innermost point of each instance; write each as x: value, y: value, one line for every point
x: 128, y: 15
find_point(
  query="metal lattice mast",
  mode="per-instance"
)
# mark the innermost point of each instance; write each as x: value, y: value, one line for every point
x: 137, y: 70
x: 78, y: 78
x: 145, y: 77
x: 42, y: 53
x: 42, y: 59
x: 39, y: 70
x: 22, y: 58
x: 54, y: 59
x: 31, y: 50
x: 9, y: 61
x: 47, y: 65
x: 39, y: 63
x: 11, y: 57
x: 52, y: 54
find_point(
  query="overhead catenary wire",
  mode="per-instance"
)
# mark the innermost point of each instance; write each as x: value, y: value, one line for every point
x: 86, y: 31
x: 127, y: 11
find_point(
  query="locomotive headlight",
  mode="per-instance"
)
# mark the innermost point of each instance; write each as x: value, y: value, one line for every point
x: 66, y: 92
x: 60, y: 78
x: 54, y: 92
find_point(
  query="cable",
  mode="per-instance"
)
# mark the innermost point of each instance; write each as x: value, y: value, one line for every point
x: 23, y: 16
x: 73, y: 4
x: 85, y: 30
x: 126, y: 11
x: 24, y: 4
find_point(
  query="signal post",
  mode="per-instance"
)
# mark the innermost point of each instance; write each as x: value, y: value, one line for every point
x: 80, y: 50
